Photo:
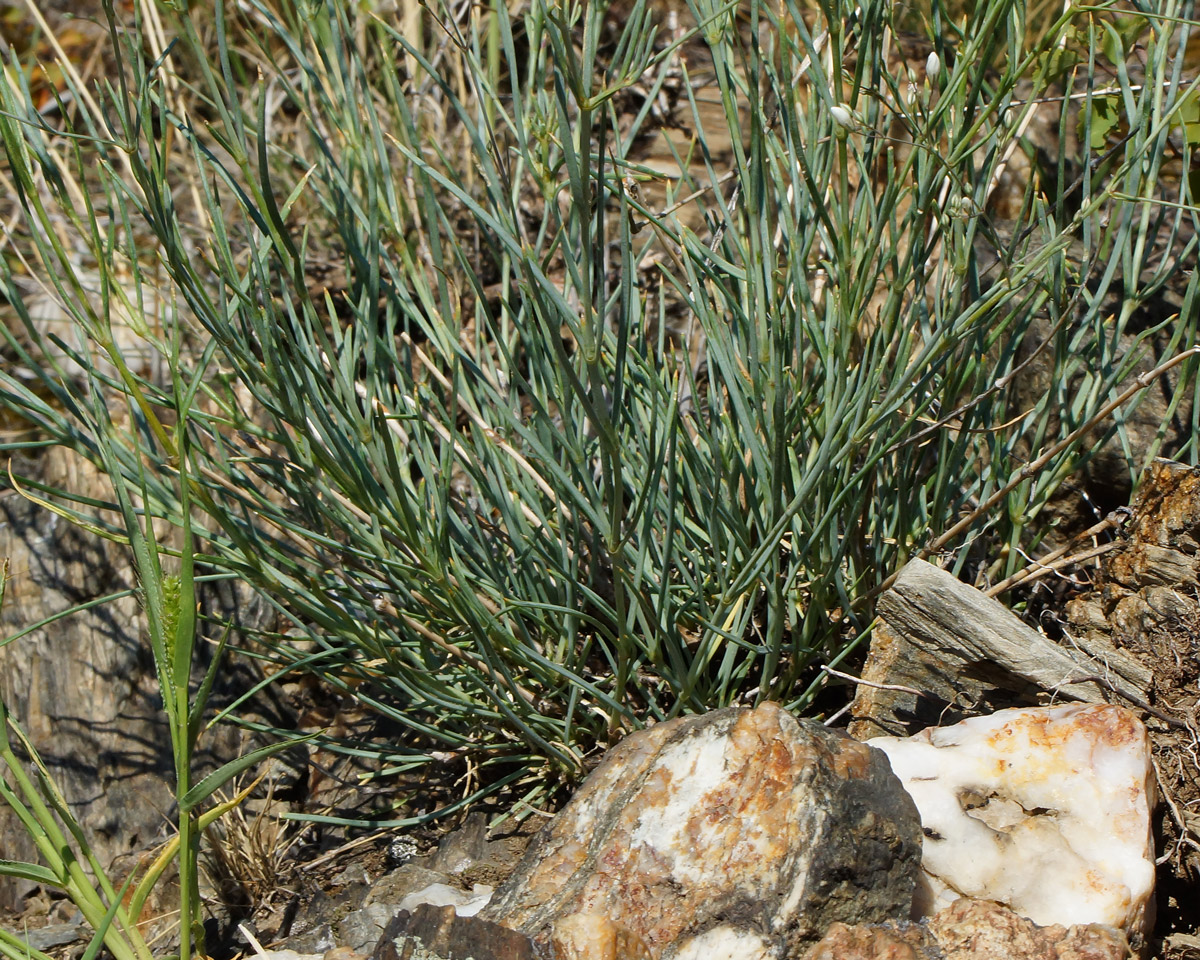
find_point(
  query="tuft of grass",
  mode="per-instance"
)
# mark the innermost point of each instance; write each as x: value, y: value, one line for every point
x: 67, y: 861
x: 572, y: 437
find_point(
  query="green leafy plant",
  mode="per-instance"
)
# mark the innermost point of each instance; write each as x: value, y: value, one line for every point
x: 576, y: 444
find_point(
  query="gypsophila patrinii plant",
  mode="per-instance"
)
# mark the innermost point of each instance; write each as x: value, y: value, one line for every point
x: 563, y: 366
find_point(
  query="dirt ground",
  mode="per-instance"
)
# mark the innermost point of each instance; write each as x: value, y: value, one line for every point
x: 1174, y: 656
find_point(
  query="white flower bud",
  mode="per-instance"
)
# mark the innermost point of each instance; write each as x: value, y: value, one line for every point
x: 841, y: 116
x: 933, y: 67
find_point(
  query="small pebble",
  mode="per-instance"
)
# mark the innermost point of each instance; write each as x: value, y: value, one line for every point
x: 343, y: 953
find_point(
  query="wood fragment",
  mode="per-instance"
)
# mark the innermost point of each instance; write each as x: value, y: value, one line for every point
x: 967, y: 653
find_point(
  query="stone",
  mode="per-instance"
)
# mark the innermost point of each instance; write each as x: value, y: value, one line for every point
x: 970, y: 930
x: 343, y: 953
x: 468, y: 855
x: 368, y: 912
x: 52, y: 935
x: 739, y: 833
x: 466, y: 903
x: 354, y: 876
x: 461, y: 848
x: 582, y: 936
x: 1045, y: 809
x: 357, y: 916
x: 984, y: 930
x: 361, y: 929
x: 317, y: 938
x: 286, y: 954
x: 874, y: 942
x: 405, y: 880
x: 437, y: 933
x: 724, y: 942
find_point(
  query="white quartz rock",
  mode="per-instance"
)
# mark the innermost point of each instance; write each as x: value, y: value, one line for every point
x: 1046, y: 810
x: 465, y: 904
x: 725, y: 943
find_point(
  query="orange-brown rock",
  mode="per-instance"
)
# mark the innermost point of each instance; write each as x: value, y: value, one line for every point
x: 740, y: 833
x: 869, y: 942
x: 971, y: 930
x: 985, y: 930
x: 582, y: 936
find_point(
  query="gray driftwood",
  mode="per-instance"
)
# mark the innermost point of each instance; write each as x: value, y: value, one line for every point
x: 943, y: 651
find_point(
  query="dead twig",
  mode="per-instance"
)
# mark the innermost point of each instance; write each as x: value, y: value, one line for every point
x: 1051, y: 561
x: 870, y: 683
x: 1045, y: 567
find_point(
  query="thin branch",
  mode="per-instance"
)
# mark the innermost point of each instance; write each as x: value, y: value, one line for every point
x: 870, y: 683
x: 1051, y: 561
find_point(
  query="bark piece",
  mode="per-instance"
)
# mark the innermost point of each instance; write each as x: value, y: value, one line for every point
x: 1163, y: 545
x: 1147, y: 602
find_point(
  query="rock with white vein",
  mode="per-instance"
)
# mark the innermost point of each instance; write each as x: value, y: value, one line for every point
x: 1046, y: 810
x: 738, y: 835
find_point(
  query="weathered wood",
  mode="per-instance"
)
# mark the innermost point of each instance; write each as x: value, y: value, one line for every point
x: 932, y: 606
x: 958, y: 652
